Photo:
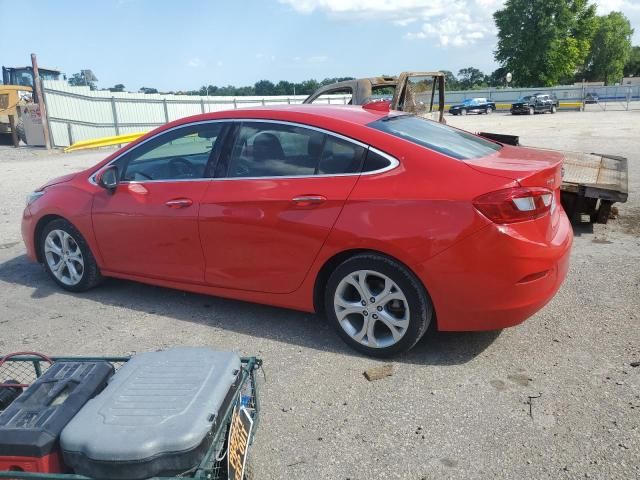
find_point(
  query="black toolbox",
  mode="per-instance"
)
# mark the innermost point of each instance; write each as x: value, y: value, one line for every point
x: 30, y: 427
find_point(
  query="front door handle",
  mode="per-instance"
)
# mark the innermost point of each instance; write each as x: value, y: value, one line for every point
x: 179, y: 203
x: 308, y: 200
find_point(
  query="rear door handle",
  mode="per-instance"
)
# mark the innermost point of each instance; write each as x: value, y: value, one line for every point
x: 179, y: 203
x: 308, y: 200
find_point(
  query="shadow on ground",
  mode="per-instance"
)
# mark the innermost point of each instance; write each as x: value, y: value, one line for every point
x: 303, y: 329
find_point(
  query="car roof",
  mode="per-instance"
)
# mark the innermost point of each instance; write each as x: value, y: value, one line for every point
x: 307, y: 113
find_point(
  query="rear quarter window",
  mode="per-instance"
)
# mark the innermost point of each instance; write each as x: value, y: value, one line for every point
x: 436, y: 136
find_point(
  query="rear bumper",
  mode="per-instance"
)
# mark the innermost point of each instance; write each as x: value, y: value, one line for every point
x: 499, y: 276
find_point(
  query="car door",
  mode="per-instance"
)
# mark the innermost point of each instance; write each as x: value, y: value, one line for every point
x: 149, y: 225
x: 279, y: 189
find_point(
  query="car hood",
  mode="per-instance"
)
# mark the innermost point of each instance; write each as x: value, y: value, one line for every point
x: 57, y: 180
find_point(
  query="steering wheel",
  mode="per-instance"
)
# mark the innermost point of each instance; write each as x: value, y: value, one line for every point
x: 180, y: 167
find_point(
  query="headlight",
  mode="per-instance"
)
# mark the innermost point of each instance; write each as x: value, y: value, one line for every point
x: 33, y: 196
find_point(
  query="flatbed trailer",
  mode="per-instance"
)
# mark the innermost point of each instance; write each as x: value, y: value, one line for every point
x: 591, y: 182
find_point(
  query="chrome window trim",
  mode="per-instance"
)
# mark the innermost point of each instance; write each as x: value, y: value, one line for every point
x: 393, y: 162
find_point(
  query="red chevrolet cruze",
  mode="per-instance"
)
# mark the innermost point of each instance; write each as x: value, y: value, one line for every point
x: 383, y: 221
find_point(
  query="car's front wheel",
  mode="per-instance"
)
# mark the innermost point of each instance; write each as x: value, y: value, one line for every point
x: 488, y: 110
x: 553, y: 109
x: 377, y: 306
x: 532, y: 110
x: 67, y: 257
x: 463, y: 111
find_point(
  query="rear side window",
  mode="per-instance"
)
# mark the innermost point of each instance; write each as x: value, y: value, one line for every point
x: 265, y: 149
x: 435, y: 136
x: 374, y: 162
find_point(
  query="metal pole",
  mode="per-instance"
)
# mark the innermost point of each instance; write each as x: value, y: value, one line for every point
x: 70, y: 134
x: 201, y: 105
x: 235, y: 105
x: 166, y: 110
x: 40, y: 101
x: 115, y: 115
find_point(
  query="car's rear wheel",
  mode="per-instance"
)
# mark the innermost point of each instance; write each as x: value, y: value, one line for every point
x: 67, y: 257
x: 532, y: 110
x: 463, y: 111
x: 377, y: 306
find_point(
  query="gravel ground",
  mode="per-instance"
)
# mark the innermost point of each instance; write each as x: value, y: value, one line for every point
x: 457, y: 406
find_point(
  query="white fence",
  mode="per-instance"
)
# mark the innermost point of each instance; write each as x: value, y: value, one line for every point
x: 78, y: 113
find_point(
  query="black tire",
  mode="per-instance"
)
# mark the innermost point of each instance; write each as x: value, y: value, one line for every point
x: 553, y: 109
x: 90, y: 276
x: 419, y: 303
x: 532, y: 110
x: 488, y: 110
x: 463, y: 111
x: 22, y: 135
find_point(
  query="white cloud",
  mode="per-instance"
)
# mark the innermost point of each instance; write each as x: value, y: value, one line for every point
x: 318, y: 59
x: 449, y: 22
x: 195, y: 62
x: 456, y: 23
x: 631, y: 8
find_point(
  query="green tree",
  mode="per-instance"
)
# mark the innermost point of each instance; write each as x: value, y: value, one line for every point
x: 148, y: 90
x: 78, y: 80
x: 611, y: 48
x: 632, y: 67
x: 450, y: 80
x: 118, y: 87
x: 498, y: 77
x: 470, y: 77
x: 264, y: 87
x: 543, y: 42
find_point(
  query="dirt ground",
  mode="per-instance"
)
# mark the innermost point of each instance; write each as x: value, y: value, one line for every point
x: 457, y: 406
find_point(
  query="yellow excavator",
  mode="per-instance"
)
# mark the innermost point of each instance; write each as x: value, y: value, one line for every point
x: 16, y: 90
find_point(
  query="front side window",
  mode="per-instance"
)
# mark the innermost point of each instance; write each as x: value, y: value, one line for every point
x: 179, y: 154
x: 265, y: 149
x: 436, y: 136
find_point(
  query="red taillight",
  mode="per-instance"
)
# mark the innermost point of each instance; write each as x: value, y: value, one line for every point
x: 515, y: 204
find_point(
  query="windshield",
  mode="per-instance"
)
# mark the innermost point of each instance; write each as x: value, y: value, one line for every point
x: 436, y: 136
x: 524, y: 99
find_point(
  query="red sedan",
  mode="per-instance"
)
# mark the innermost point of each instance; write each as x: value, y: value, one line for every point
x: 383, y: 221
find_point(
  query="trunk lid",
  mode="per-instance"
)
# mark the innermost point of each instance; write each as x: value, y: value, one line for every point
x: 527, y: 166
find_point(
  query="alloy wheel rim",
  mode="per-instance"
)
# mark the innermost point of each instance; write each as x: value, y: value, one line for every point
x: 371, y: 308
x: 64, y: 257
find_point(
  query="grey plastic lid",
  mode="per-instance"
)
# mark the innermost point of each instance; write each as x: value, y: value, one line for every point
x: 157, y: 403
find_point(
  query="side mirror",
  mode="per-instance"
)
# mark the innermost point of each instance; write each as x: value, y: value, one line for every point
x: 108, y: 179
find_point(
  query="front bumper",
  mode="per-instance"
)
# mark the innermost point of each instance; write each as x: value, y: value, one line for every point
x: 499, y: 276
x: 520, y: 108
x: 28, y: 233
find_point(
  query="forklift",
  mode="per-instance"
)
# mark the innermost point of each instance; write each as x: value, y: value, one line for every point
x: 16, y: 91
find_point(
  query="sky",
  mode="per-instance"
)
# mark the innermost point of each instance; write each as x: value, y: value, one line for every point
x: 182, y: 45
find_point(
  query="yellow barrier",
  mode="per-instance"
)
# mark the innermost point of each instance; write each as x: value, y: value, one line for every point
x: 103, y: 142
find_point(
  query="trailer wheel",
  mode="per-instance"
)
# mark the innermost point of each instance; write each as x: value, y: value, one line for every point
x: 22, y: 135
x: 604, y: 210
